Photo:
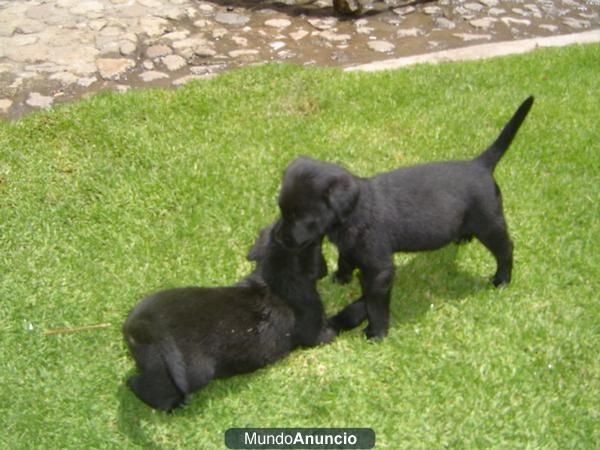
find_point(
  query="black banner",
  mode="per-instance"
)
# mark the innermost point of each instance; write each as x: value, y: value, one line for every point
x: 300, y: 438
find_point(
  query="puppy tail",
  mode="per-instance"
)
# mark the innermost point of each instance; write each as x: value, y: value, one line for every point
x: 175, y: 364
x: 142, y: 335
x: 490, y: 157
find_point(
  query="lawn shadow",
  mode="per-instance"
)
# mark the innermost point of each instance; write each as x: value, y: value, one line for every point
x: 425, y: 281
x: 131, y: 416
x: 429, y: 281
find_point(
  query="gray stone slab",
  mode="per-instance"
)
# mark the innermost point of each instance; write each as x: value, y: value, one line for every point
x: 234, y: 19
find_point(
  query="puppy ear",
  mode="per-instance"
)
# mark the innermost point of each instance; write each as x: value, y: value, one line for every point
x: 259, y: 248
x: 342, y: 196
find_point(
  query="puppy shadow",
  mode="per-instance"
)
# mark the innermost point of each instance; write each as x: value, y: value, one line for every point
x: 423, y: 282
x: 430, y: 280
x: 132, y: 417
x: 137, y: 421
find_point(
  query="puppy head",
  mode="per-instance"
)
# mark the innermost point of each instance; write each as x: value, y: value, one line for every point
x: 273, y: 257
x: 314, y: 196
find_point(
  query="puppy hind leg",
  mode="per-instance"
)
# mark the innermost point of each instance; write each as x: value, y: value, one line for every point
x: 499, y: 244
x: 377, y: 287
x: 156, y: 388
x: 156, y: 385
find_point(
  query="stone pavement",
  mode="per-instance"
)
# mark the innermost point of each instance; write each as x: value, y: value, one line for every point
x: 52, y: 51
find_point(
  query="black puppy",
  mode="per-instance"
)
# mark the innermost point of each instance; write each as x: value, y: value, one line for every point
x: 183, y: 338
x: 410, y: 209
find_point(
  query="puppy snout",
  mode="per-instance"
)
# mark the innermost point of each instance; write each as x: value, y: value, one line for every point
x: 287, y: 235
x: 304, y: 233
x: 287, y: 239
x: 282, y: 235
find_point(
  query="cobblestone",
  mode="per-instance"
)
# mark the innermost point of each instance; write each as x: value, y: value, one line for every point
x: 53, y: 51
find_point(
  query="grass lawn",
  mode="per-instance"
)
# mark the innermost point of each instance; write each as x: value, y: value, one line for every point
x: 106, y: 200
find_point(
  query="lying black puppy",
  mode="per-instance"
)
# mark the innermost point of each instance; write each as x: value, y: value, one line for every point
x: 183, y: 338
x: 410, y: 209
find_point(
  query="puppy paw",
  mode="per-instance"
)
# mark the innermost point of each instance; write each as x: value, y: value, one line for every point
x: 156, y: 392
x: 327, y: 335
x: 500, y: 281
x: 375, y: 334
x: 343, y: 321
x: 350, y: 317
x: 342, y: 277
x: 337, y: 324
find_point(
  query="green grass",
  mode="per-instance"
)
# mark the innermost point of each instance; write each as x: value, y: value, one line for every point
x: 106, y: 200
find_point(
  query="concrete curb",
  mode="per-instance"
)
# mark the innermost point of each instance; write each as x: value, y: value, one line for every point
x: 483, y: 51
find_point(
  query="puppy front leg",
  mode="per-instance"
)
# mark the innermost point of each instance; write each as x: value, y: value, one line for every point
x: 311, y: 326
x: 350, y: 317
x: 377, y: 288
x: 343, y: 274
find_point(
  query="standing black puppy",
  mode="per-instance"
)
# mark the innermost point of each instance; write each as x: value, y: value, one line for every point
x: 182, y: 338
x: 410, y: 209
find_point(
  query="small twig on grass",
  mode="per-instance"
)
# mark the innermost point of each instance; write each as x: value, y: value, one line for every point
x: 77, y: 329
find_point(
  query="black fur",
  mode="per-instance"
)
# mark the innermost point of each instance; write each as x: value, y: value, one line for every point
x: 410, y: 209
x: 182, y: 338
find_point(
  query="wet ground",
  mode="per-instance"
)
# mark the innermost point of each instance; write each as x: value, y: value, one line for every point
x: 56, y: 51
